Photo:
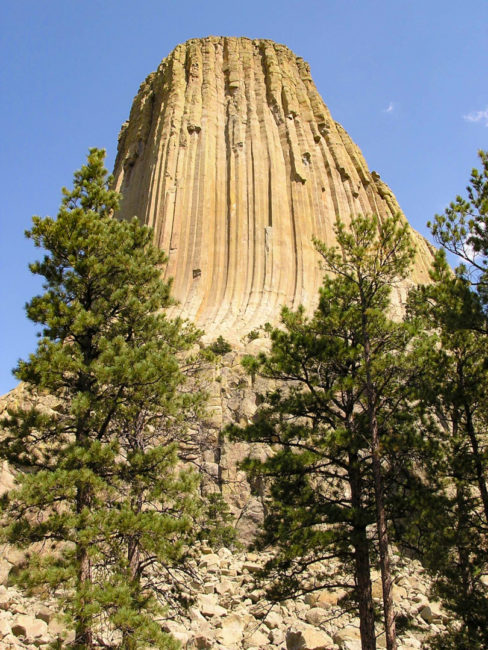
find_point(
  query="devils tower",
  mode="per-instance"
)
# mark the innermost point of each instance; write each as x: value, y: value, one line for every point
x: 231, y: 155
x: 233, y: 158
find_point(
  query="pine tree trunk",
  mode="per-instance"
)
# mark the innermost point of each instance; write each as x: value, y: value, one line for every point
x: 133, y: 557
x: 83, y: 631
x: 362, y: 566
x: 470, y: 428
x: 466, y: 585
x: 383, y: 542
x: 83, y: 627
x: 479, y: 467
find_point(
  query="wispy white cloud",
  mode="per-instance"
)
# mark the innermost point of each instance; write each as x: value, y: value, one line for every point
x: 390, y: 108
x: 477, y: 116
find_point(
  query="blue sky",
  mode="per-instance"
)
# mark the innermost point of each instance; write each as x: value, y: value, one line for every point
x: 406, y: 78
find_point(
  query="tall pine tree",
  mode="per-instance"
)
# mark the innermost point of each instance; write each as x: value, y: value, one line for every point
x: 334, y: 421
x: 450, y: 393
x: 453, y: 392
x: 104, y: 487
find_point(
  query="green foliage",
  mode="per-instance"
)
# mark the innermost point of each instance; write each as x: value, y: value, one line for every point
x: 452, y: 521
x: 217, y: 527
x: 105, y: 486
x: 253, y: 335
x: 452, y: 525
x: 220, y: 346
x: 463, y: 229
x: 323, y: 496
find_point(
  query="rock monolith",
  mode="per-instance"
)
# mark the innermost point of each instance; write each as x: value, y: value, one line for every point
x: 233, y: 158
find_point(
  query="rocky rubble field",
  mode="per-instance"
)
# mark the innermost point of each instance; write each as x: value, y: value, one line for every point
x: 230, y: 612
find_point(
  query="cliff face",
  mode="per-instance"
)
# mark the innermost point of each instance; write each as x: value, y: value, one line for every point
x: 232, y: 157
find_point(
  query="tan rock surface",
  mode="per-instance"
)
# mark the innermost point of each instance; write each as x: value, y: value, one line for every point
x: 231, y: 155
x: 306, y: 637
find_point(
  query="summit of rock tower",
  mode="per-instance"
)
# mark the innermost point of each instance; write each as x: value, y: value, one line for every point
x: 232, y: 156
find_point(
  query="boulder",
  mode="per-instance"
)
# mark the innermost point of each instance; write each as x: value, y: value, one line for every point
x: 29, y: 627
x: 211, y: 561
x: 273, y: 620
x: 4, y: 572
x: 306, y: 637
x: 225, y: 587
x: 277, y: 637
x: 251, y: 567
x: 316, y: 616
x: 177, y: 631
x: 4, y: 628
x: 209, y: 606
x: 433, y: 612
x: 5, y: 600
x: 44, y: 614
x: 348, y: 638
x: 232, y: 629
x: 201, y: 642
x: 256, y: 638
x: 325, y: 598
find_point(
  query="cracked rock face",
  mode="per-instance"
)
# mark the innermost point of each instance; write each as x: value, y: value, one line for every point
x: 233, y: 158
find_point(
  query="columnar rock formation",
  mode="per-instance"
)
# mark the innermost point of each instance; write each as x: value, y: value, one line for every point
x: 231, y: 155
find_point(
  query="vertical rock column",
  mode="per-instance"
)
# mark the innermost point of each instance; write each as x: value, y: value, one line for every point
x: 232, y: 157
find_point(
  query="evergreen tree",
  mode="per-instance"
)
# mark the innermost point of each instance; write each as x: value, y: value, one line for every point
x: 104, y: 489
x: 451, y: 396
x: 453, y: 400
x: 463, y: 230
x: 334, y: 421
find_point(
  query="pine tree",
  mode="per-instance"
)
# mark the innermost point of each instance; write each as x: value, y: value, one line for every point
x: 105, y: 491
x: 335, y: 421
x: 463, y: 230
x: 451, y: 396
